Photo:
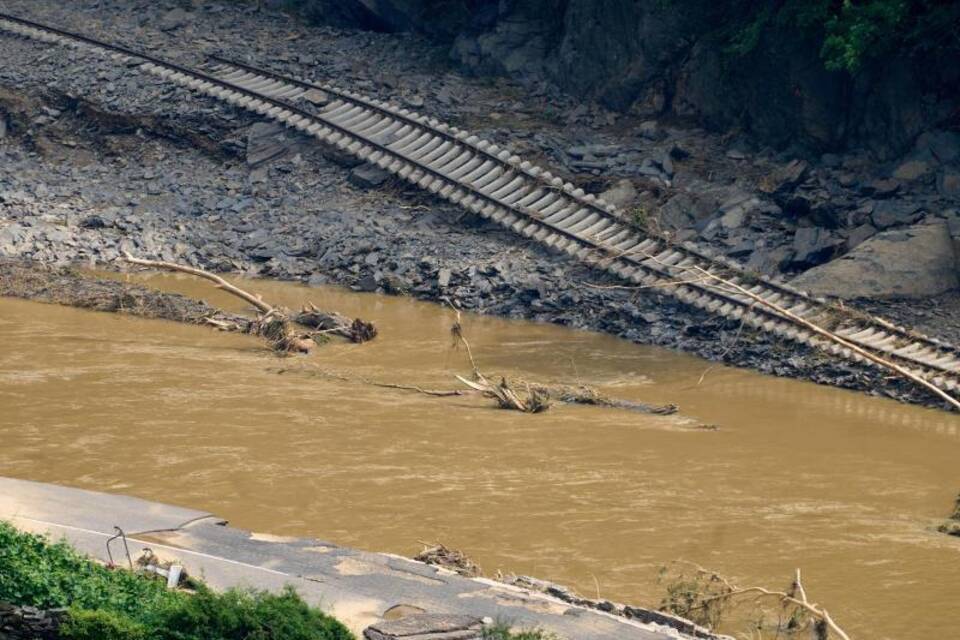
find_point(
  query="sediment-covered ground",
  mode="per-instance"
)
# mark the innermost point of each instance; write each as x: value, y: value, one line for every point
x: 99, y: 159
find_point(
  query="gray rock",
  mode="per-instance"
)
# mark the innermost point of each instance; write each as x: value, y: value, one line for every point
x: 948, y: 184
x: 428, y: 626
x: 443, y: 278
x: 651, y: 130
x: 368, y: 283
x: 594, y: 150
x: 622, y: 194
x: 368, y: 176
x: 813, y: 246
x: 3, y: 127
x: 685, y: 210
x: 859, y: 234
x: 786, y: 178
x: 944, y: 146
x: 916, y: 262
x: 912, y: 170
x: 831, y: 160
x: 890, y: 213
x: 736, y: 212
x: 770, y: 261
x: 173, y: 20
x: 265, y: 142
x: 881, y: 188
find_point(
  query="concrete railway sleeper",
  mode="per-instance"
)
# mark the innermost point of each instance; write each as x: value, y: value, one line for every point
x: 499, y: 186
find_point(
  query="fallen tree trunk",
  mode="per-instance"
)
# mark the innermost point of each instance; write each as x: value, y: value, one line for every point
x: 274, y: 323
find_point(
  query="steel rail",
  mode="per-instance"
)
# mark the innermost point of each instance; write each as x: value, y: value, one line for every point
x: 659, y: 264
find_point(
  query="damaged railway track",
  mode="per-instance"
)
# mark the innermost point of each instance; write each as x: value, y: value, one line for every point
x: 529, y: 200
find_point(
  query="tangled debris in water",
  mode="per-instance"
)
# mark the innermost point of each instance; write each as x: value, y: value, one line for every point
x: 453, y: 559
x: 952, y: 525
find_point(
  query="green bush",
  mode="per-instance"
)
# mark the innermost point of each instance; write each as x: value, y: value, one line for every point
x: 116, y: 604
x: 36, y: 572
x: 503, y: 631
x: 247, y: 615
x: 101, y: 625
x: 852, y: 32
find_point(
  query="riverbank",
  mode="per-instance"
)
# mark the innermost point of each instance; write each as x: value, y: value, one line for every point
x: 361, y: 589
x: 92, y: 170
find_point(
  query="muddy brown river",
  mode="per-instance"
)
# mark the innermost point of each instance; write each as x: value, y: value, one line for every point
x: 848, y: 487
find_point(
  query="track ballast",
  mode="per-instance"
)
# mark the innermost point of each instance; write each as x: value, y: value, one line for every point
x: 529, y: 200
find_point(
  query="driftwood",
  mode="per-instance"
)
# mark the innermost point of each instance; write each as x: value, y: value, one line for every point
x: 952, y: 525
x: 536, y: 397
x: 722, y: 284
x: 437, y: 554
x: 721, y: 589
x: 277, y: 325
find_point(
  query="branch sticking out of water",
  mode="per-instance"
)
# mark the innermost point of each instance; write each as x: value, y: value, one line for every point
x: 275, y: 323
x: 714, y: 281
x: 701, y: 599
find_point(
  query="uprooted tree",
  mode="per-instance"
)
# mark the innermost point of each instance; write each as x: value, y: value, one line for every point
x: 707, y: 598
x: 286, y: 331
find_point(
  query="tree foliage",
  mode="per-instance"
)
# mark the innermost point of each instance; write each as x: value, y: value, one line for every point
x: 852, y: 32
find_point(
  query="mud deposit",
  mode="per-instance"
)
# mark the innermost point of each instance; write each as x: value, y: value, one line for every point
x: 850, y: 488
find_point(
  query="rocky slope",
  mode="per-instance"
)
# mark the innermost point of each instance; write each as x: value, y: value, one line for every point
x: 93, y: 168
x: 673, y: 57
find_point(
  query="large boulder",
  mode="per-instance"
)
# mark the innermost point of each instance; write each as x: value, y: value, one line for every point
x: 913, y: 262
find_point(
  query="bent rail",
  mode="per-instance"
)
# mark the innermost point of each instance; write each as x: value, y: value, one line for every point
x: 532, y: 202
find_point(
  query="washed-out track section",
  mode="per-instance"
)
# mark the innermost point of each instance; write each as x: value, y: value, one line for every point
x: 529, y: 200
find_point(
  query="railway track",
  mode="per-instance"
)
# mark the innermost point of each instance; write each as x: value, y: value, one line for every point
x: 529, y: 200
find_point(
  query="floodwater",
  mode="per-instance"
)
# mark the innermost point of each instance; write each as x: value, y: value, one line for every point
x: 848, y: 487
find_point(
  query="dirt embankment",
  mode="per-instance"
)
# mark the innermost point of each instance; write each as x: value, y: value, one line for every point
x: 68, y: 286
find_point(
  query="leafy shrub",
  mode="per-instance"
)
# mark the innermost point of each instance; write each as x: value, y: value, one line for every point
x: 36, y: 572
x: 119, y: 605
x: 101, y: 625
x: 247, y: 615
x: 852, y: 32
x: 502, y: 631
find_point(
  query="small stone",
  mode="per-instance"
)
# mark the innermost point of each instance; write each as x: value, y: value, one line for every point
x: 890, y: 213
x: 942, y: 145
x: 830, y: 160
x: 173, y: 20
x: 368, y: 176
x: 786, y: 178
x: 813, y: 246
x: 651, y: 130
x: 622, y: 194
x: 443, y: 278
x: 948, y: 184
x: 367, y: 283
x: 912, y: 170
x: 881, y: 188
x: 859, y: 234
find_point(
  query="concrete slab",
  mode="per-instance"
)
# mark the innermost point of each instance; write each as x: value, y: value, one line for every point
x: 355, y: 586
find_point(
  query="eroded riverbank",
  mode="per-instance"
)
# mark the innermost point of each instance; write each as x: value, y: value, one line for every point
x: 848, y: 487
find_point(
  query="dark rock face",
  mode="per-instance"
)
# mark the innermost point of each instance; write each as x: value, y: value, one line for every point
x: 28, y: 623
x: 653, y: 58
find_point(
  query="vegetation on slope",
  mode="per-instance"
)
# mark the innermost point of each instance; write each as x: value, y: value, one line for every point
x: 851, y: 33
x: 110, y: 604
